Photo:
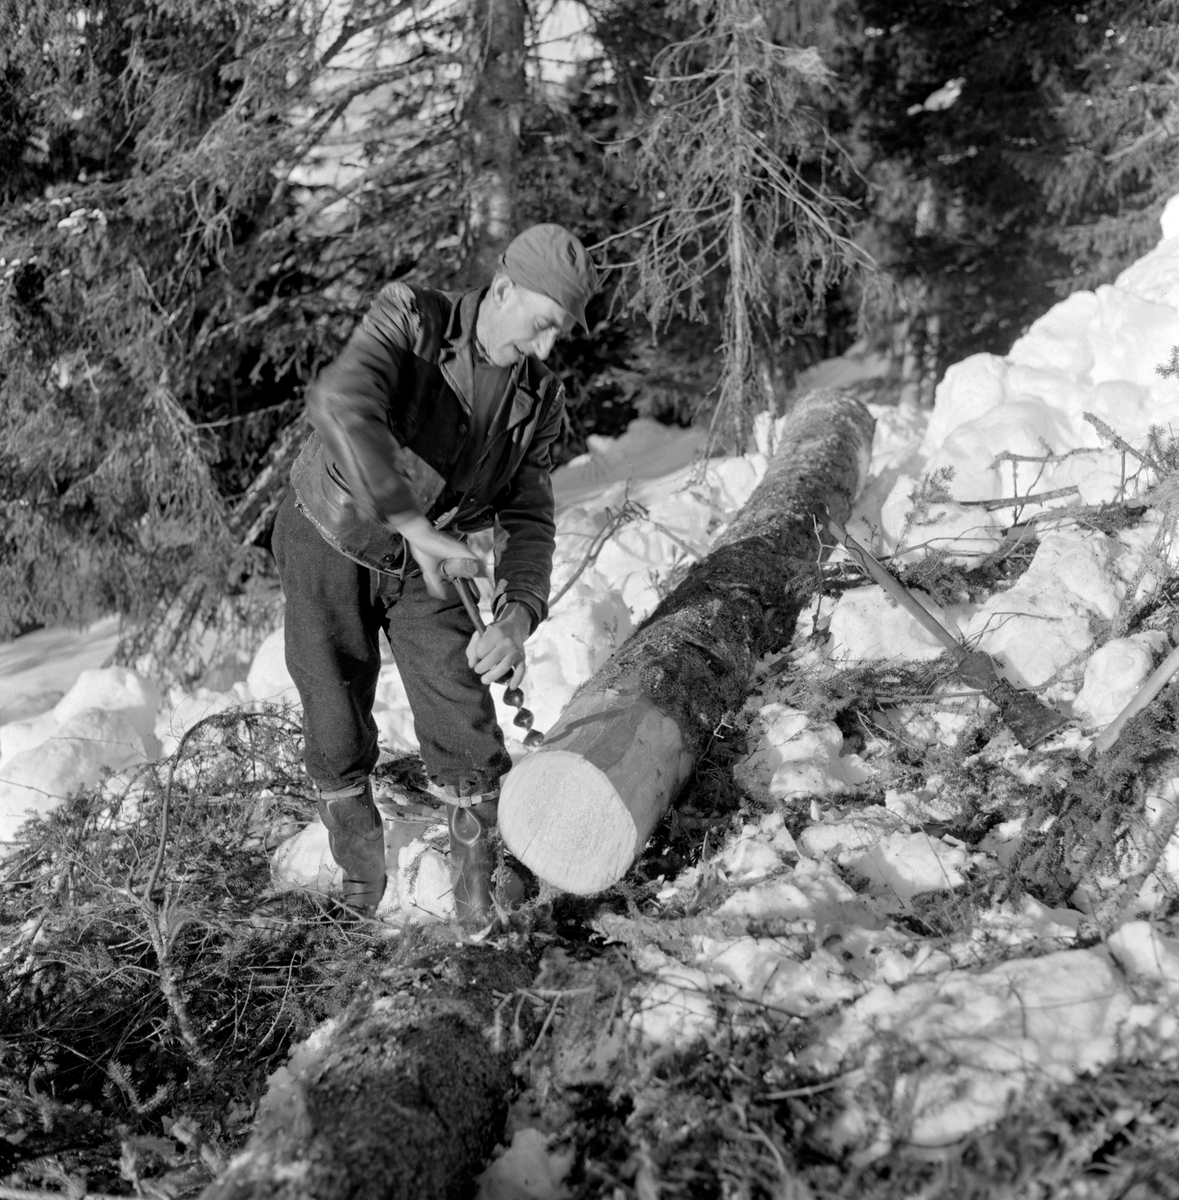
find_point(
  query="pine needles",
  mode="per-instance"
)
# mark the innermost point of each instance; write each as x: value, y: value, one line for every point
x: 731, y: 157
x: 1088, y: 825
x: 125, y: 1012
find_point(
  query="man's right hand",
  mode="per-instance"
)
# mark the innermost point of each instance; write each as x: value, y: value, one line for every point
x: 430, y: 547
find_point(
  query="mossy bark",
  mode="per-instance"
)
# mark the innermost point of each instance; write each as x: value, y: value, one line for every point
x: 694, y: 655
x: 402, y: 1099
x: 578, y: 810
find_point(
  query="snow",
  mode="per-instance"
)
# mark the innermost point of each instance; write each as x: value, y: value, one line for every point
x: 304, y: 861
x: 528, y: 1169
x: 75, y: 755
x: 268, y: 677
x: 1002, y: 1009
x: 869, y: 626
x: 1146, y: 954
x: 675, y: 1006
x: 895, y: 862
x: 988, y: 1037
x: 1048, y: 620
x: 38, y: 668
x: 103, y: 723
x: 757, y: 851
x: 812, y: 892
x: 1113, y: 674
x: 186, y: 709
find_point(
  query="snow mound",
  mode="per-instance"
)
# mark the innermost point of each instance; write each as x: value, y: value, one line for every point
x: 268, y: 677
x: 1113, y: 674
x: 584, y: 628
x: 92, y: 742
x: 1048, y: 619
x: 18, y: 736
x: 868, y: 625
x: 986, y: 1038
x: 115, y: 689
x: 794, y: 756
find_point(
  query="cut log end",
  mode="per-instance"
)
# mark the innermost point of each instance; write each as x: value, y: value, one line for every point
x: 555, y: 804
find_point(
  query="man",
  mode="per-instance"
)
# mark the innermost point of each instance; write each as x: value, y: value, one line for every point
x: 436, y: 420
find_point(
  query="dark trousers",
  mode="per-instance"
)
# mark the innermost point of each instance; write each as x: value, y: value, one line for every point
x: 335, y: 610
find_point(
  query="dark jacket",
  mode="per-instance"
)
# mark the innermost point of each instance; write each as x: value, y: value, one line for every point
x: 390, y: 416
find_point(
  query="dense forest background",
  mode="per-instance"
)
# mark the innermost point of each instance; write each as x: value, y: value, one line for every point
x: 198, y: 198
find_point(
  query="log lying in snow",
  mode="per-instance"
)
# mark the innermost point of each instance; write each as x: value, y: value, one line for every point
x: 402, y: 1099
x: 578, y: 811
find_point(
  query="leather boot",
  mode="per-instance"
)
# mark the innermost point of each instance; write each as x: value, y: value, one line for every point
x: 356, y: 835
x: 470, y: 820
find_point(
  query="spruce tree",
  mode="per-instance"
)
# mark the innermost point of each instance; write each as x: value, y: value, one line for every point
x: 1119, y: 164
x: 746, y: 190
x: 951, y: 114
x: 197, y: 202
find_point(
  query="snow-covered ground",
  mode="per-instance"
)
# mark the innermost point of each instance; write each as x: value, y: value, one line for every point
x: 991, y: 1024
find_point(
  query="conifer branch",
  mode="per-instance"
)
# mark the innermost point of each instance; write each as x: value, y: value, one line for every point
x: 722, y: 157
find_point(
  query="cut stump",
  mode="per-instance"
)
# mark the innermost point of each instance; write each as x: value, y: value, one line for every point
x: 402, y: 1098
x: 579, y: 810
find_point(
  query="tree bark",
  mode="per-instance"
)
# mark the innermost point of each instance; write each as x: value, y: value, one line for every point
x: 403, y: 1099
x: 579, y: 810
x: 492, y: 112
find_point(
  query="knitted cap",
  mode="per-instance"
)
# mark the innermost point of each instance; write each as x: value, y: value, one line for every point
x: 548, y: 259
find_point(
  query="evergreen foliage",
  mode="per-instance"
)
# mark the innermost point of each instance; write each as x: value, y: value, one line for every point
x: 738, y: 160
x: 1017, y: 151
x: 197, y: 201
x: 152, y: 976
x: 199, y: 204
x: 1120, y: 161
x: 951, y: 112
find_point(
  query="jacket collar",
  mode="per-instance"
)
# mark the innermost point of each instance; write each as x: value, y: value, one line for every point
x: 457, y: 359
x: 460, y: 329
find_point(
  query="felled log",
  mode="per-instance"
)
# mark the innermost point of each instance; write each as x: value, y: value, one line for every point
x: 403, y: 1099
x: 579, y: 810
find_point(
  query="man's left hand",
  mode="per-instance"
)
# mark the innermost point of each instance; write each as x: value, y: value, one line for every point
x: 498, y: 652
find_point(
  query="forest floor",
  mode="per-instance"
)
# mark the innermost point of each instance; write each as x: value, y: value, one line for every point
x: 154, y: 979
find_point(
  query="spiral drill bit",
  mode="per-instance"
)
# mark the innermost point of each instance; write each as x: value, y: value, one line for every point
x: 513, y: 696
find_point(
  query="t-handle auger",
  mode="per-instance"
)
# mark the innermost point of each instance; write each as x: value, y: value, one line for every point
x: 459, y: 572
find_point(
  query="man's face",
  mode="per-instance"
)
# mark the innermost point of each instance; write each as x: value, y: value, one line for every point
x: 520, y: 322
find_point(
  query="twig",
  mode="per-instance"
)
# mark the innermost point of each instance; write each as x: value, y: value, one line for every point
x: 12, y: 1193
x: 1011, y: 456
x: 161, y: 944
x: 628, y: 512
x: 218, y: 718
x: 157, y: 918
x: 643, y: 931
x: 1141, y: 698
x: 547, y: 1021
x: 813, y: 1090
x: 165, y: 806
x: 1016, y: 501
x: 679, y: 541
x: 1120, y: 442
x: 1111, y: 912
x: 761, y: 1135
